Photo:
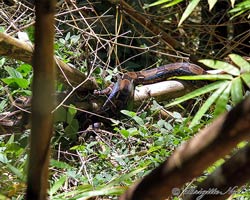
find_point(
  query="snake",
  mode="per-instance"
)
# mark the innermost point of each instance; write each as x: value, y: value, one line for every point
x: 120, y: 92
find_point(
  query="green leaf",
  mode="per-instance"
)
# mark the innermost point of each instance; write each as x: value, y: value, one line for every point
x: 208, y: 103
x: 71, y: 113
x: 241, y: 62
x: 15, y: 170
x: 67, y: 36
x: 74, y: 39
x: 211, y: 4
x: 128, y: 113
x: 11, y: 140
x: 2, y: 61
x: 172, y: 3
x: 106, y: 191
x: 246, y: 78
x: 3, y: 104
x: 216, y: 64
x: 222, y: 101
x: 188, y: 10
x: 159, y: 2
x: 13, y: 73
x: 198, y: 92
x: 72, y: 128
x: 212, y: 77
x: 237, y: 90
x: 24, y: 69
x: 60, y: 115
x: 124, y: 177
x: 57, y: 185
x: 59, y: 164
x: 125, y: 133
x: 16, y: 82
x: 240, y: 8
x: 3, y: 158
x: 138, y: 120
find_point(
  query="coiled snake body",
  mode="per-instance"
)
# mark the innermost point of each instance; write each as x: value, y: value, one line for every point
x: 120, y: 92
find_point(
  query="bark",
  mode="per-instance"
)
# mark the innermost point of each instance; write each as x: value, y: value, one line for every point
x: 226, y: 179
x: 194, y: 156
x: 19, y: 120
x: 43, y: 100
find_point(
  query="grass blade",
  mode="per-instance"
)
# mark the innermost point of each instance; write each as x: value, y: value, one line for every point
x: 237, y: 90
x: 216, y: 64
x: 241, y: 62
x: 191, y: 6
x: 198, y: 92
x: 208, y: 103
x: 246, y: 78
x: 222, y: 101
x: 212, y: 77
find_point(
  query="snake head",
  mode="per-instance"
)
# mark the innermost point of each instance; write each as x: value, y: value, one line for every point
x: 120, y: 95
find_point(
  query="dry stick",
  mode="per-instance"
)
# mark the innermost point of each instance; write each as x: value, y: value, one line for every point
x: 194, y: 156
x: 147, y: 24
x: 226, y: 179
x: 43, y: 100
x: 16, y: 49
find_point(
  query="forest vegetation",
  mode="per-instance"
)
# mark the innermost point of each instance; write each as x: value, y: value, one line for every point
x: 169, y: 143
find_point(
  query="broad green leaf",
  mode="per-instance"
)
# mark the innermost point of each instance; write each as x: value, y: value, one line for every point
x: 246, y: 78
x: 57, y: 185
x: 74, y: 39
x: 212, y: 77
x: 2, y: 61
x: 198, y: 92
x: 138, y: 120
x: 71, y: 113
x: 222, y: 101
x: 67, y: 36
x: 3, y: 158
x: 16, y: 82
x: 72, y: 128
x: 59, y: 164
x: 60, y: 115
x: 216, y: 64
x: 13, y: 73
x: 211, y: 4
x: 125, y: 133
x: 188, y: 10
x: 24, y: 69
x: 128, y: 113
x: 237, y: 90
x: 208, y: 103
x: 3, y: 104
x: 241, y: 62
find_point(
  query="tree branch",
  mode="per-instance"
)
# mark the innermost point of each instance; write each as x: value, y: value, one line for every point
x: 223, y: 179
x: 43, y: 100
x: 16, y: 49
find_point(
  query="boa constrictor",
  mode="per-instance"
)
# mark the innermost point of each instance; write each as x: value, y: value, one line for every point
x: 121, y: 91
